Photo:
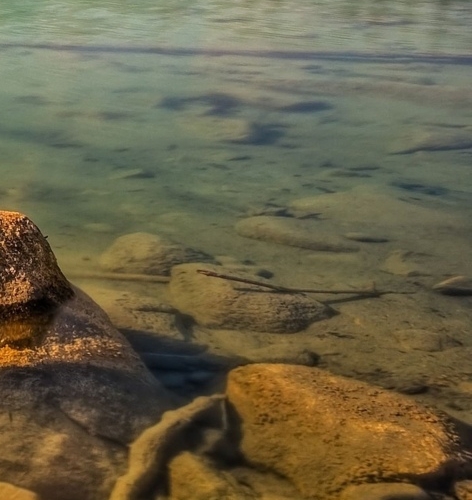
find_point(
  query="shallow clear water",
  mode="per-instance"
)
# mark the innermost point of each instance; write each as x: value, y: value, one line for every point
x: 90, y: 90
x: 184, y: 117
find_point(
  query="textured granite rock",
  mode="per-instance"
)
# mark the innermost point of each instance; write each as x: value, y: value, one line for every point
x: 192, y: 477
x: 324, y: 432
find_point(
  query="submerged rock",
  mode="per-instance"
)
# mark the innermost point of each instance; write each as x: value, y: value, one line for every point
x: 384, y: 491
x: 457, y: 285
x: 73, y: 393
x: 434, y: 140
x: 292, y: 232
x: 406, y: 263
x: 220, y: 303
x: 145, y: 253
x: 325, y: 432
x: 366, y: 237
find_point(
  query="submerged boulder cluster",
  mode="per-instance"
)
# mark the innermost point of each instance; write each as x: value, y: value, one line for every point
x: 82, y: 417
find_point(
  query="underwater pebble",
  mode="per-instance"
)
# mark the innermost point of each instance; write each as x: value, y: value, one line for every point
x: 463, y: 490
x: 291, y: 232
x: 434, y: 140
x: 457, y: 285
x: 366, y: 238
x: 135, y: 173
x: 384, y: 491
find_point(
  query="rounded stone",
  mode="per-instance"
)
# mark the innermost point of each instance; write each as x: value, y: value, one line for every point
x: 292, y: 232
x: 145, y: 253
x: 384, y: 491
x: 325, y: 432
x: 225, y: 304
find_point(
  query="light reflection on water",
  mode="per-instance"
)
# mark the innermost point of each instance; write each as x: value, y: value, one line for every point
x: 425, y: 26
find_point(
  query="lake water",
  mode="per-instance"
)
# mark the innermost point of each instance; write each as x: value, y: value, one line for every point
x: 184, y: 118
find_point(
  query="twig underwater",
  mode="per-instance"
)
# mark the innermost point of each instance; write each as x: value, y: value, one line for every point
x: 371, y: 292
x: 148, y: 278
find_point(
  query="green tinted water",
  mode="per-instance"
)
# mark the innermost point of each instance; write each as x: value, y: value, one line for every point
x: 182, y: 118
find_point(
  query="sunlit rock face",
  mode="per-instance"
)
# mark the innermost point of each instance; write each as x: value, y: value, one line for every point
x: 73, y: 393
x: 325, y: 432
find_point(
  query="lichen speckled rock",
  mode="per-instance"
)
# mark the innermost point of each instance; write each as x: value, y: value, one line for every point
x: 219, y: 303
x: 145, y: 253
x: 73, y: 393
x: 22, y: 280
x: 324, y: 432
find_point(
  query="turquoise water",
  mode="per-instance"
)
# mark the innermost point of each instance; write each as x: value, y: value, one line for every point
x: 183, y: 118
x: 90, y: 90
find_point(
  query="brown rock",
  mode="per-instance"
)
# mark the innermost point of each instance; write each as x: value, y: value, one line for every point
x: 463, y: 490
x: 191, y: 477
x: 145, y: 253
x: 151, y: 451
x: 384, y: 491
x: 325, y: 432
x: 219, y: 303
x: 10, y: 492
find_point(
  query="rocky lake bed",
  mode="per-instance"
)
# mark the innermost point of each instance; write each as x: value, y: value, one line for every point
x: 263, y: 283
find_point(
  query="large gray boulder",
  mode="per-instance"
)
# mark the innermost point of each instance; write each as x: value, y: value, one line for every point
x: 73, y: 393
